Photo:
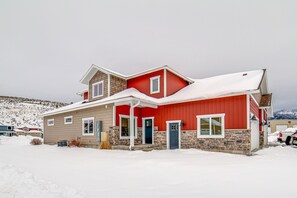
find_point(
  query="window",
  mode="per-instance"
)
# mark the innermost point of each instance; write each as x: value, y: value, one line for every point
x: 125, y: 127
x: 50, y: 122
x: 98, y: 89
x: 9, y: 128
x: 155, y: 85
x: 88, y: 126
x: 68, y: 120
x: 211, y: 126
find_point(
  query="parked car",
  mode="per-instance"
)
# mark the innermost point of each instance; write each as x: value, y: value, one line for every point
x: 294, y: 138
x: 285, y: 136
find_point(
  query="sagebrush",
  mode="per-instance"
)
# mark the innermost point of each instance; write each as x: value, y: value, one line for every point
x: 36, y: 141
x: 74, y: 143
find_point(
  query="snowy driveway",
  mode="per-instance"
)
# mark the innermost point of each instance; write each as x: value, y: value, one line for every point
x: 49, y: 171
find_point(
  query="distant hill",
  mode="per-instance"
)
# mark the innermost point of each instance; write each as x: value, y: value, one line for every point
x: 285, y: 114
x: 21, y: 112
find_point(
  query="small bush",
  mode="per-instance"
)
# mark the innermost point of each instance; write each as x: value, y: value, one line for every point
x: 73, y: 143
x: 36, y: 141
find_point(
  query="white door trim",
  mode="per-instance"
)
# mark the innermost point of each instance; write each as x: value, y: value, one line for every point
x: 167, y: 133
x: 143, y: 129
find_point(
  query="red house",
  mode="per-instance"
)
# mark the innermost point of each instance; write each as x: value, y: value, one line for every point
x: 167, y: 110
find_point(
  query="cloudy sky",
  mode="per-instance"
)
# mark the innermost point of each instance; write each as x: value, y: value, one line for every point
x: 46, y: 46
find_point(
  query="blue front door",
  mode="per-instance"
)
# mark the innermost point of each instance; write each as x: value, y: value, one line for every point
x: 148, y: 131
x: 173, y: 135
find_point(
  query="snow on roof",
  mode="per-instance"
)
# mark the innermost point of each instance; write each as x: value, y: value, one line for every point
x: 214, y: 87
x: 94, y: 68
x: 291, y: 130
x: 218, y: 86
x: 127, y: 93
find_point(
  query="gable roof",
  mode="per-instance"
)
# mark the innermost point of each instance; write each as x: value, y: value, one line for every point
x: 94, y: 68
x: 200, y: 89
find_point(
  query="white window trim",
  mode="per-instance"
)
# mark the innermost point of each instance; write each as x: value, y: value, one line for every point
x: 48, y: 124
x: 151, y: 84
x: 210, y: 116
x: 167, y: 133
x: 97, y: 83
x: 127, y: 116
x: 88, y: 134
x: 65, y: 118
x: 143, y: 128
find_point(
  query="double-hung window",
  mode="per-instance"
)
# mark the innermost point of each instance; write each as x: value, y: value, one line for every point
x: 97, y: 89
x: 155, y: 84
x: 211, y: 126
x: 88, y: 126
x: 68, y: 120
x: 125, y: 127
x: 50, y: 122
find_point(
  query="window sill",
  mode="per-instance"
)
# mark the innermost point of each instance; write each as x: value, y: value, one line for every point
x: 97, y: 96
x: 211, y: 136
x: 126, y: 138
x: 155, y: 92
x: 89, y: 134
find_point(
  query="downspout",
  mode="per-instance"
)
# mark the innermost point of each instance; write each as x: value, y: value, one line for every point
x: 132, y: 123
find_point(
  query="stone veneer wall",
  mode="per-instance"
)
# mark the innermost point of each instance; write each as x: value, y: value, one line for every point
x: 117, y: 84
x: 99, y: 76
x: 235, y: 141
x: 114, y: 137
x: 261, y: 139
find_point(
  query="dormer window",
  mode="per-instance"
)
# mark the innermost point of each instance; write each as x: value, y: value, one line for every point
x: 155, y: 84
x: 98, y: 89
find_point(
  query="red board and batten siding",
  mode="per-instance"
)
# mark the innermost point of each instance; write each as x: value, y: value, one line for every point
x: 142, y: 83
x: 86, y: 95
x: 254, y: 108
x: 174, y: 83
x: 234, y: 108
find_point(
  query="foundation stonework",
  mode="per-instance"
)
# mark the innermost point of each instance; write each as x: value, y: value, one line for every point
x: 114, y: 137
x: 235, y: 141
x: 261, y: 139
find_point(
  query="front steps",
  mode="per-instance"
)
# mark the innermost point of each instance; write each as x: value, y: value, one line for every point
x: 140, y: 147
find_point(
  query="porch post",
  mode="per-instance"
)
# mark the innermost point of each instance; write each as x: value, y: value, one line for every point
x: 131, y: 128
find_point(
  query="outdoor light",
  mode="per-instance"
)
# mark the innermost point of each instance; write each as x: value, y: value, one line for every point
x: 182, y: 124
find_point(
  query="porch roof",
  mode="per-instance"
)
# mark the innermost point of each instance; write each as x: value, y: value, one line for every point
x: 122, y: 98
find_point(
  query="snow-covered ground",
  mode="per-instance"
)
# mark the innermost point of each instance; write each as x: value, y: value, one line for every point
x: 49, y: 171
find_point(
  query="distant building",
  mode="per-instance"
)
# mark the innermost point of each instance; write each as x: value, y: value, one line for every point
x: 281, y: 125
x: 33, y: 131
x: 7, y: 130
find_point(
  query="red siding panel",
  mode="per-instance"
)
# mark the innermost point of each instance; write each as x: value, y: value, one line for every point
x: 234, y: 108
x: 86, y: 95
x: 254, y: 108
x: 142, y: 83
x: 174, y: 83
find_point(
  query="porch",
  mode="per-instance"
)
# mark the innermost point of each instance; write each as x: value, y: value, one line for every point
x: 128, y: 113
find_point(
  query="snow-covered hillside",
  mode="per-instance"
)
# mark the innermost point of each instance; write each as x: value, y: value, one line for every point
x: 24, y: 112
x: 285, y: 114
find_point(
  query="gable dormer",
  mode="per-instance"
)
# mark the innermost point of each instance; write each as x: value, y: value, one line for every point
x: 103, y: 83
x: 157, y: 82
